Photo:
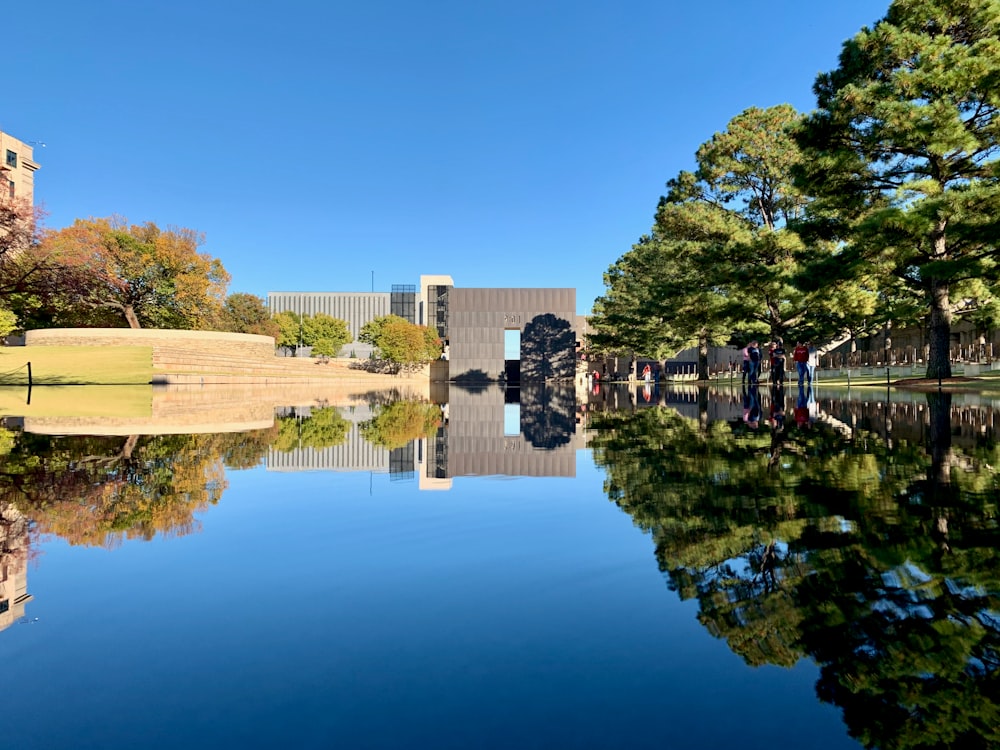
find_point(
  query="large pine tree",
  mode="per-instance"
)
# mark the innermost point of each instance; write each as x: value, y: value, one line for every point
x: 903, y: 152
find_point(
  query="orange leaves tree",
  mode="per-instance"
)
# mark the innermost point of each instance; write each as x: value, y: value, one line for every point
x: 405, y: 344
x: 19, y: 266
x: 137, y: 274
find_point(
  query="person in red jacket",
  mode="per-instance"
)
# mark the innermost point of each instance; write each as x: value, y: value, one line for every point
x: 801, y: 356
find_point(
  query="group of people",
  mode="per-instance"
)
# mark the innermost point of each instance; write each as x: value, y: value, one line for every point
x: 804, y: 355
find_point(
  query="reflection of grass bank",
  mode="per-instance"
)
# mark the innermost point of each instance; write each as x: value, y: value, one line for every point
x: 77, y: 401
x: 77, y: 365
x: 987, y: 382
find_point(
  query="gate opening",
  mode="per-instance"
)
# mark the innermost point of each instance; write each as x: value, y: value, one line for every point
x: 512, y: 356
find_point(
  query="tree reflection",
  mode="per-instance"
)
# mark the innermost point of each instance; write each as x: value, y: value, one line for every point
x: 880, y: 565
x: 398, y: 423
x: 102, y: 490
x: 311, y: 428
x: 548, y: 414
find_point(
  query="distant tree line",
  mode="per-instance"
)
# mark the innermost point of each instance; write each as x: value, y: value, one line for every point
x: 880, y: 208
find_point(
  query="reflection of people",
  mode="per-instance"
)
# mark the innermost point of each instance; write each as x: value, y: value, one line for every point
x: 751, y: 407
x: 647, y: 392
x: 802, y: 408
x: 777, y: 408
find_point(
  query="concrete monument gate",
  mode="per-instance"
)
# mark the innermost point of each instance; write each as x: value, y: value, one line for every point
x: 479, y: 318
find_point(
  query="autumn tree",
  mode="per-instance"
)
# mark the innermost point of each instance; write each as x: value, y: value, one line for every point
x: 403, y: 343
x: 147, y: 276
x: 20, y: 229
x: 247, y: 313
x: 20, y: 266
x: 902, y: 151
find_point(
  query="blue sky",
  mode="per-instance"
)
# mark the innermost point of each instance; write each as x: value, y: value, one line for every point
x: 314, y: 142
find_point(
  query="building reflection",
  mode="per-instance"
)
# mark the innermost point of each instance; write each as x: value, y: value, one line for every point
x: 14, y: 549
x: 484, y: 429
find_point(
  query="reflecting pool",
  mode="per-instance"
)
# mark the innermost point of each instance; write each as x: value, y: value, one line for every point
x: 509, y: 568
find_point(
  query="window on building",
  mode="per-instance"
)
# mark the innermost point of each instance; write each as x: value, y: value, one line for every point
x: 11, y: 158
x: 10, y: 188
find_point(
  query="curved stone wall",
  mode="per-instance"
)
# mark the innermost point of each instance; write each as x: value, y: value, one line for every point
x: 236, y: 345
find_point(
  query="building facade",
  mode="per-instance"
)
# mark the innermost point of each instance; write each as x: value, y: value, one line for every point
x: 17, y: 168
x: 473, y: 324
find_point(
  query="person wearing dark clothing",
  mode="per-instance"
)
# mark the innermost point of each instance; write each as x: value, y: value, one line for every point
x: 754, y: 353
x: 778, y: 361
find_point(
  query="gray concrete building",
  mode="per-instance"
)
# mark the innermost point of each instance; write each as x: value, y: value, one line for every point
x: 478, y: 320
x: 356, y: 308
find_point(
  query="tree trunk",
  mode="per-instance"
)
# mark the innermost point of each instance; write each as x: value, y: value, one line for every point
x: 938, y: 360
x: 702, y: 356
x: 133, y: 321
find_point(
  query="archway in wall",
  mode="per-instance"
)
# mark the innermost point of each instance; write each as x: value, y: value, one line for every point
x: 480, y: 322
x: 512, y: 356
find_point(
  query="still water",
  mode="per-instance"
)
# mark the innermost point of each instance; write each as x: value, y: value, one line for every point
x: 675, y: 569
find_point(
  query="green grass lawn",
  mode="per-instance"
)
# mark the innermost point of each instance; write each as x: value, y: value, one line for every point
x: 76, y: 365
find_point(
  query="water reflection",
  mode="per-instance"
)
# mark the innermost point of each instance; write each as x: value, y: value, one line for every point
x: 861, y: 535
x: 864, y: 538
x: 463, y: 436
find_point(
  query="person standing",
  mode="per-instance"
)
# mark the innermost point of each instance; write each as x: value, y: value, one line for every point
x: 801, y: 357
x: 813, y: 360
x: 778, y: 361
x: 753, y: 353
x: 746, y: 363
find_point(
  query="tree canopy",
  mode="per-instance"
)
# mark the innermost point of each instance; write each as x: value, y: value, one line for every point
x: 403, y: 343
x: 247, y: 313
x: 144, y: 275
x: 879, y: 209
x: 325, y: 334
x: 902, y: 152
